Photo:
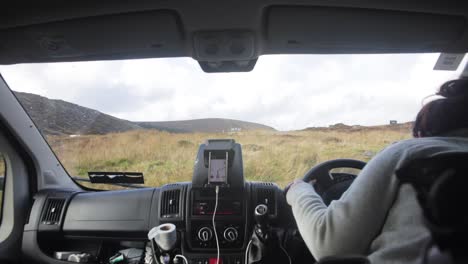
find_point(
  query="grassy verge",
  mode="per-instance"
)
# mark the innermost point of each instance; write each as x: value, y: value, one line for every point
x: 167, y: 157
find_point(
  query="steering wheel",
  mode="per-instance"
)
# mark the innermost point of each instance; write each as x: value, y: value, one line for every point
x: 331, y: 185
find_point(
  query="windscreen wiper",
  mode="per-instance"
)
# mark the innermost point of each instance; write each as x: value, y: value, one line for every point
x: 127, y: 185
x: 116, y: 177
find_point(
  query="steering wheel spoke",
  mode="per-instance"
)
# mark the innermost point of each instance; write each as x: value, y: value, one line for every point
x: 332, y: 185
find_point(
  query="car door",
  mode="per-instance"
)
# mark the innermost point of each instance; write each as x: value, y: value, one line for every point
x: 15, y: 192
x: 15, y: 200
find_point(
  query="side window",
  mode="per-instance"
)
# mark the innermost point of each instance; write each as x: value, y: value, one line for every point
x: 2, y: 181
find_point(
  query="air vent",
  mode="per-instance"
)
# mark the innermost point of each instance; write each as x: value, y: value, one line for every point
x: 267, y: 196
x: 29, y: 211
x: 53, y: 211
x: 172, y: 185
x: 170, y: 207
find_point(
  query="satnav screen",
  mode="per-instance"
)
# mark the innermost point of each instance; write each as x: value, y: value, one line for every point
x: 218, y: 171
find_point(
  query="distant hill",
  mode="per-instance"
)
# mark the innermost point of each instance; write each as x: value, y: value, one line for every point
x: 404, y: 127
x: 58, y: 117
x: 209, y: 125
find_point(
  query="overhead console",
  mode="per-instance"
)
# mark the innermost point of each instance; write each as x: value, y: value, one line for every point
x: 230, y: 37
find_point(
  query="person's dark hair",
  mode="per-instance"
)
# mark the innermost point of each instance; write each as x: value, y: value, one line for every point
x: 445, y: 114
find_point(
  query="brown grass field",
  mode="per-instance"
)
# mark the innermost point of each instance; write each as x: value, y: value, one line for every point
x: 2, y: 165
x: 169, y: 157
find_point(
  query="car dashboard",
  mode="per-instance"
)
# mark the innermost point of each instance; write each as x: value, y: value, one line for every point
x: 104, y: 221
x: 216, y: 216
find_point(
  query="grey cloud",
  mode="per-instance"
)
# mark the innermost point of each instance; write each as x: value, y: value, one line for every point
x: 115, y: 98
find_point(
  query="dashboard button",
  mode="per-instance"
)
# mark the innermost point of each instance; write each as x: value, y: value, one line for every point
x: 199, y: 261
x: 214, y: 261
x: 235, y: 260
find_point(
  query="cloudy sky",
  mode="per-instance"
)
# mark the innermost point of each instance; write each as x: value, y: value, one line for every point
x: 286, y: 92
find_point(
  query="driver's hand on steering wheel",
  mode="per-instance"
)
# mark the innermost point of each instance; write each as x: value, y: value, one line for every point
x: 286, y: 189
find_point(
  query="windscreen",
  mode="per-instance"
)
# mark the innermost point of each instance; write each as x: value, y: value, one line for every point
x: 289, y: 114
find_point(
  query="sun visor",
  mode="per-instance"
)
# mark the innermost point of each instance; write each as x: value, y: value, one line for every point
x: 354, y: 30
x: 142, y: 34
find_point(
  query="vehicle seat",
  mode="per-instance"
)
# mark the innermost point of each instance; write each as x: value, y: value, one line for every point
x: 441, y: 184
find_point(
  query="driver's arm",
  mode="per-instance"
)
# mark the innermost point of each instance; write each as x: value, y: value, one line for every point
x: 348, y: 225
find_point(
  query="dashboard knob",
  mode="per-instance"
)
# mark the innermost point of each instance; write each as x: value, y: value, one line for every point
x: 230, y: 234
x: 261, y: 210
x: 205, y: 234
x: 261, y: 215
